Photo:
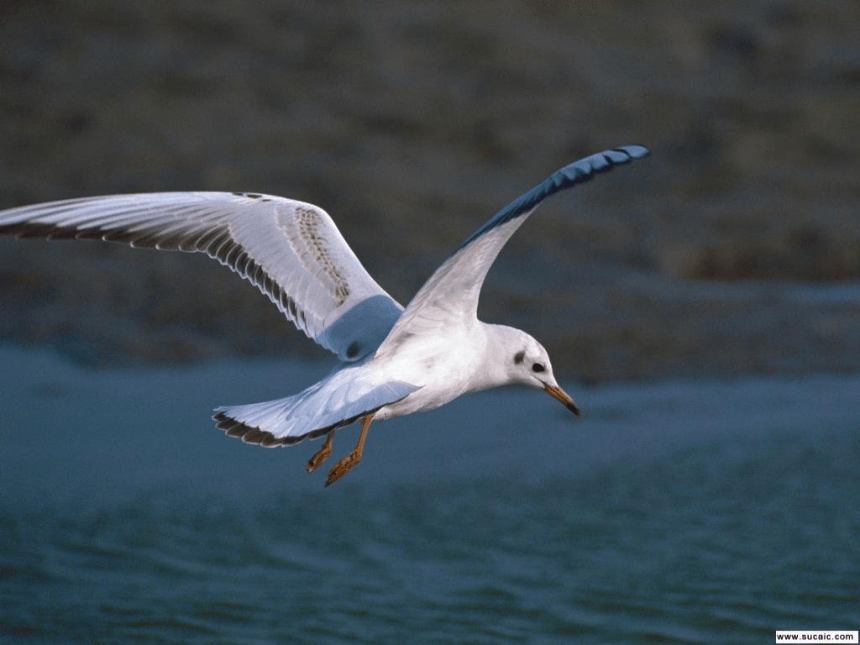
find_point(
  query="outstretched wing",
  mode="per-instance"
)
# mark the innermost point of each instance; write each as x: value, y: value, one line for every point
x: 291, y: 251
x: 338, y: 400
x: 451, y: 294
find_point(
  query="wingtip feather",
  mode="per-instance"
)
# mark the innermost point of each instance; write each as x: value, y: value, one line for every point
x: 635, y: 150
x: 577, y: 172
x: 249, y: 434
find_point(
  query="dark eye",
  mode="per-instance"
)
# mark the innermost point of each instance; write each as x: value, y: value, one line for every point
x: 538, y: 367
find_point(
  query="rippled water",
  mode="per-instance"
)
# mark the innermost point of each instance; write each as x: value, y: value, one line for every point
x: 697, y: 513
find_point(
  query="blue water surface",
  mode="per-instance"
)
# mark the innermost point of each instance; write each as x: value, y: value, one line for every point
x: 671, y: 513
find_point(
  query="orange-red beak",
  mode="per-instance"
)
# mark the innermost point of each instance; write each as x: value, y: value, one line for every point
x: 565, y: 398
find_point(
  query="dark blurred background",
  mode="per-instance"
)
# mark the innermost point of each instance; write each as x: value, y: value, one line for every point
x: 733, y: 249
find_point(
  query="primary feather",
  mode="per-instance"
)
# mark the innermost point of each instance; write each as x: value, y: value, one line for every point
x: 291, y: 251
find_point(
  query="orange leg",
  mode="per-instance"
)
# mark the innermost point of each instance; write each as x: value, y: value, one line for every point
x: 321, y: 455
x: 342, y: 467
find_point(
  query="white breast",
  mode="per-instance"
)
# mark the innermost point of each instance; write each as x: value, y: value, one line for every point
x: 445, y: 366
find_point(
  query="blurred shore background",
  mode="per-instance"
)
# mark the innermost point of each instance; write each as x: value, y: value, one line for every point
x: 705, y: 299
x: 734, y: 249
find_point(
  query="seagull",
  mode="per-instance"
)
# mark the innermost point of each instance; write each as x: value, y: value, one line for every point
x: 393, y: 361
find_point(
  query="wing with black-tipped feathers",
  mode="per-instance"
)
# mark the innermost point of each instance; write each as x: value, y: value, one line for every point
x: 290, y: 250
x: 451, y: 294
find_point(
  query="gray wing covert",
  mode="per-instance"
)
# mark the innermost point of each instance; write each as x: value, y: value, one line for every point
x: 291, y: 251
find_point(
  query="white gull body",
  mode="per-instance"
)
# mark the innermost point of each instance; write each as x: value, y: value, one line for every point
x: 393, y: 361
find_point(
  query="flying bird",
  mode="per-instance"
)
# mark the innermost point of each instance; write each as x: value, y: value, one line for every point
x: 393, y: 361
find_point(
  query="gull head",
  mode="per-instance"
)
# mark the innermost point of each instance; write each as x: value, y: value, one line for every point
x: 527, y: 362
